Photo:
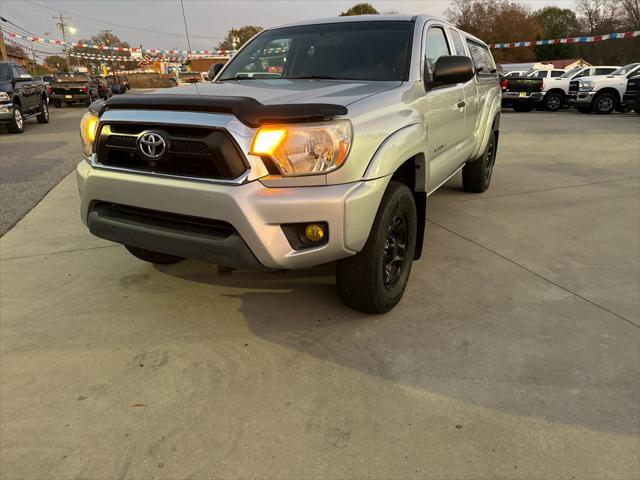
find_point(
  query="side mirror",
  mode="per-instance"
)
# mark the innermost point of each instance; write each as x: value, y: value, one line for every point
x: 214, y: 70
x: 451, y: 70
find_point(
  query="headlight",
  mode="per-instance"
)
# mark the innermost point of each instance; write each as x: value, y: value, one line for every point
x: 586, y: 86
x: 88, y: 129
x: 4, y: 97
x: 304, y: 149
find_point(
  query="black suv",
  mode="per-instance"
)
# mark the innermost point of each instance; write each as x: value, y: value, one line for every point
x: 21, y: 97
x: 631, y: 97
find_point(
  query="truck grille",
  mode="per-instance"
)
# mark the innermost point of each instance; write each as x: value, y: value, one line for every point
x: 194, y: 152
x: 573, y: 86
x: 633, y: 86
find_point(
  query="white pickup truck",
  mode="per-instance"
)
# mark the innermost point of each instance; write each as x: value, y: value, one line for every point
x: 556, y: 90
x: 602, y: 94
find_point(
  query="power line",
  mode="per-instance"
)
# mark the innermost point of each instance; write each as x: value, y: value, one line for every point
x: 102, y: 21
x: 17, y: 26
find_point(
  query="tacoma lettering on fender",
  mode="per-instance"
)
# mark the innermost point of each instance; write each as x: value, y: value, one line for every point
x: 317, y: 142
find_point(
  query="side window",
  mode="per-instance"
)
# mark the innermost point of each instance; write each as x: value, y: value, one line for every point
x: 556, y: 73
x: 603, y: 71
x: 16, y: 72
x: 482, y: 59
x: 457, y: 43
x: 21, y: 70
x: 437, y: 47
x: 583, y: 73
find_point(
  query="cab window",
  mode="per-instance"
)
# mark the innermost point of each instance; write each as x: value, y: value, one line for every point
x: 556, y: 73
x: 457, y: 43
x: 437, y: 46
x: 482, y: 59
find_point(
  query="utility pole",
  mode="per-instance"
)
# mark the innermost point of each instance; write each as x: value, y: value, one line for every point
x: 61, y: 25
x: 2, y: 47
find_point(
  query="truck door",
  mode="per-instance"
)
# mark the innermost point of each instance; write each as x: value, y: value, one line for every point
x: 445, y: 108
x: 25, y: 87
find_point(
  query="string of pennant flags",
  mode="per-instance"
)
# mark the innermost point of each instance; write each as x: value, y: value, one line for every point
x: 228, y: 53
x: 568, y: 41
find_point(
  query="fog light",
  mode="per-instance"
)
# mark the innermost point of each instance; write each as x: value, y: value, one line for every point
x: 314, y: 233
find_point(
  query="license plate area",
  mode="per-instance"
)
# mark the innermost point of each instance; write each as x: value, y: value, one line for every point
x: 522, y: 94
x: 68, y: 96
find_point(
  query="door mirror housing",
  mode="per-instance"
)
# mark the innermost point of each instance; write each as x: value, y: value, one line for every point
x: 214, y: 70
x: 450, y: 70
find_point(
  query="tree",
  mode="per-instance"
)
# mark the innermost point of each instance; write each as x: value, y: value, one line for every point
x: 56, y: 63
x: 360, y: 9
x: 15, y: 50
x: 497, y: 21
x: 557, y: 23
x: 238, y: 37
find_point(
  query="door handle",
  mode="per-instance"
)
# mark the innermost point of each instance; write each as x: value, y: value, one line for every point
x: 461, y: 104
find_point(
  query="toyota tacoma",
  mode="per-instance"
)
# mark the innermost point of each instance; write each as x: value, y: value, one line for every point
x: 318, y: 142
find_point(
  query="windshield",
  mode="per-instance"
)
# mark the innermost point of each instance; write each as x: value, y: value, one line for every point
x: 571, y: 72
x: 341, y: 51
x: 73, y: 77
x: 5, y: 72
x: 624, y: 70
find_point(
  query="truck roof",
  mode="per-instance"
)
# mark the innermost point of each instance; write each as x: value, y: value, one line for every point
x: 384, y: 17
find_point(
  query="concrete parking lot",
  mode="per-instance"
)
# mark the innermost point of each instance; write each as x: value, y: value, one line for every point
x: 514, y: 354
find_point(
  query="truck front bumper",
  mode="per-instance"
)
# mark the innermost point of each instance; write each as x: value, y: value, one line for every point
x: 255, y: 213
x: 6, y: 112
x: 580, y: 99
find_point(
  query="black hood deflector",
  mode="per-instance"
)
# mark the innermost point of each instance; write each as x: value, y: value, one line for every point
x: 248, y: 110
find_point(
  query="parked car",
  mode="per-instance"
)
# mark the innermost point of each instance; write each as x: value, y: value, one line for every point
x: 125, y: 82
x: 514, y: 73
x: 556, y: 90
x: 331, y: 161
x: 104, y: 89
x: 632, y: 94
x: 74, y: 87
x: 521, y: 93
x: 601, y: 94
x: 116, y: 83
x: 21, y: 97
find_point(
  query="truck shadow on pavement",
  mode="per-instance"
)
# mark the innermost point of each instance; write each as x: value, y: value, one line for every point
x: 489, y: 337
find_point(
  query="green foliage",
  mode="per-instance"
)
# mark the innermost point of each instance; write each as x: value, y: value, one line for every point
x: 557, y: 23
x: 238, y: 37
x: 360, y: 9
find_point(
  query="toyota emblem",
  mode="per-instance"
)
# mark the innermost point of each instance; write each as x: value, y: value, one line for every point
x: 152, y: 145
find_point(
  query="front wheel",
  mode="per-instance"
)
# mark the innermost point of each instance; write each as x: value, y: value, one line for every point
x: 553, y: 102
x: 153, y: 257
x: 476, y: 175
x: 604, y: 103
x: 43, y: 112
x: 16, y: 125
x: 374, y: 280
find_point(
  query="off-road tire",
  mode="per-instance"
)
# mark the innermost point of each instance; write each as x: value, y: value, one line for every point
x: 604, y: 103
x: 522, y: 107
x: 553, y: 102
x: 369, y: 281
x: 43, y: 116
x: 476, y: 175
x: 16, y: 125
x: 153, y: 257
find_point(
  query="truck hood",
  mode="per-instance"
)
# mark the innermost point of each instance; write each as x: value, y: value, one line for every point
x: 275, y: 92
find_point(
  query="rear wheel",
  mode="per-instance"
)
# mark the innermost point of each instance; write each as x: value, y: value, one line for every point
x: 16, y: 125
x: 604, y: 103
x: 43, y: 115
x: 553, y: 102
x: 57, y: 103
x: 476, y: 175
x: 153, y: 257
x: 374, y: 280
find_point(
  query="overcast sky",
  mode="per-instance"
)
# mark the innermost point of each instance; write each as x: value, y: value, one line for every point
x: 158, y: 23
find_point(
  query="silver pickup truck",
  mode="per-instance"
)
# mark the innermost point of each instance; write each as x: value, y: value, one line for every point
x: 317, y: 142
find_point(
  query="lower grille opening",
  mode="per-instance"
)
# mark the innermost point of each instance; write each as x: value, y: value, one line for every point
x: 164, y: 220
